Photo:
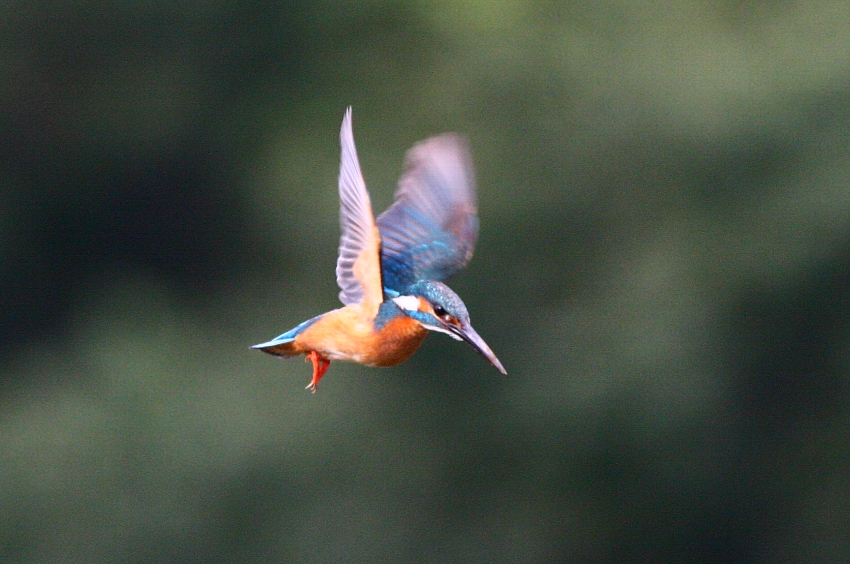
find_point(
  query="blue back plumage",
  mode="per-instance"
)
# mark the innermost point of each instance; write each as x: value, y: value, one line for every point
x: 386, y: 313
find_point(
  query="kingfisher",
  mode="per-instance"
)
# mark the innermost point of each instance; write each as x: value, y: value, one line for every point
x: 391, y: 270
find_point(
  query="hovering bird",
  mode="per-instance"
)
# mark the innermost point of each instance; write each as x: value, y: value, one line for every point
x: 390, y: 271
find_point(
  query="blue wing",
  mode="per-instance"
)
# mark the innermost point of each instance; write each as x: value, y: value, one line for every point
x: 358, y: 268
x: 430, y: 230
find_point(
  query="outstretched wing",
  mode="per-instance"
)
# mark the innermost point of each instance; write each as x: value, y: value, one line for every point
x: 430, y: 230
x: 358, y: 268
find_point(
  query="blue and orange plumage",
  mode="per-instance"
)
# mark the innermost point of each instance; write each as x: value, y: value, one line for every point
x: 390, y: 270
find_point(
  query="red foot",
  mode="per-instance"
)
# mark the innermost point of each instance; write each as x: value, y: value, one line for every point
x: 320, y: 366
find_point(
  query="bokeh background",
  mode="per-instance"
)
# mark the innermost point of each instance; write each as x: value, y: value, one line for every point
x: 663, y: 268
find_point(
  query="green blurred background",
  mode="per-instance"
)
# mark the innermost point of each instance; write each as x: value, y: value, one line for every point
x: 663, y: 269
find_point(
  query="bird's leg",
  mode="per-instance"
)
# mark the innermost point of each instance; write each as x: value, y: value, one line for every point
x: 320, y: 366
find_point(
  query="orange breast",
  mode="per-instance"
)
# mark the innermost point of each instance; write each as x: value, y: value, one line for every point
x: 396, y: 342
x: 346, y: 334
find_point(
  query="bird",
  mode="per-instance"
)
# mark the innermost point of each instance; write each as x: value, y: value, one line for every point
x: 390, y: 271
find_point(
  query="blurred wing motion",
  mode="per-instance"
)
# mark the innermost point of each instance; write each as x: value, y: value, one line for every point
x: 430, y: 230
x: 358, y: 268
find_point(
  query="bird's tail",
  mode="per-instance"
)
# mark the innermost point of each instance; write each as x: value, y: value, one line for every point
x: 278, y: 347
x: 284, y: 345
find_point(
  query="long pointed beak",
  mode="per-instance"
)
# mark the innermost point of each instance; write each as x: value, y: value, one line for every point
x: 469, y: 335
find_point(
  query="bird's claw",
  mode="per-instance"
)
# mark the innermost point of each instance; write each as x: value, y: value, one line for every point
x: 320, y: 366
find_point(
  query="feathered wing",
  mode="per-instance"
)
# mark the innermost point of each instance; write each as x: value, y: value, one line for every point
x: 358, y: 268
x: 431, y: 229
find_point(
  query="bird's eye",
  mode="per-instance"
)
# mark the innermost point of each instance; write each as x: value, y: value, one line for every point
x: 442, y: 313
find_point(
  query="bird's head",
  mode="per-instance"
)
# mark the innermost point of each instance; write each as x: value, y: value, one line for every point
x: 438, y: 308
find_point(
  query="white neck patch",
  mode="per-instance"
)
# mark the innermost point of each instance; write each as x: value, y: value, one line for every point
x: 409, y: 303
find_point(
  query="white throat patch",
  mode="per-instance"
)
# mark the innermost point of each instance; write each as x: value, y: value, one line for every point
x: 409, y: 303
x: 442, y: 330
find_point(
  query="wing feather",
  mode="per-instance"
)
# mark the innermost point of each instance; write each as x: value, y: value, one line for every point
x: 431, y: 229
x: 358, y: 268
